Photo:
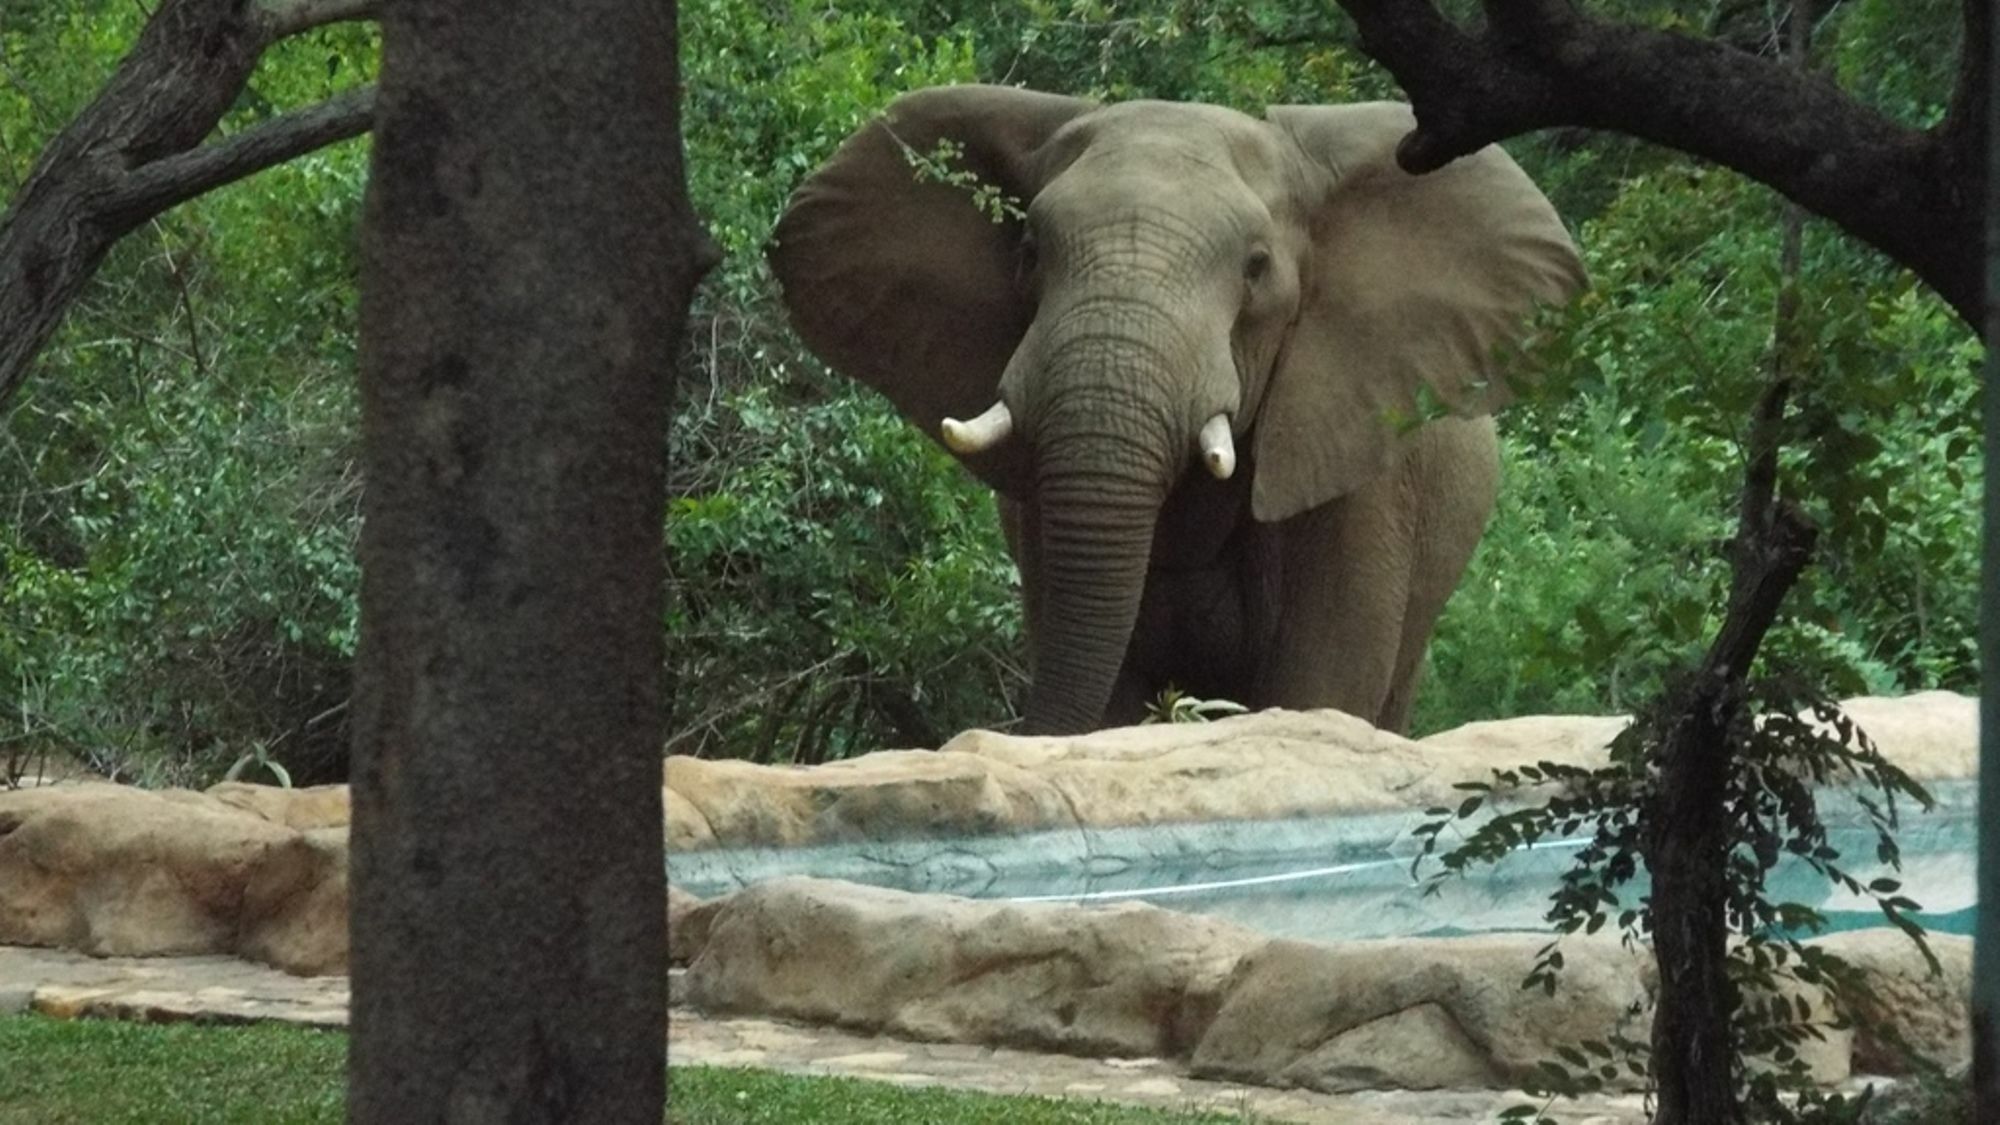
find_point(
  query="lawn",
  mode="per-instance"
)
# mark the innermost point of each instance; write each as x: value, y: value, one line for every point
x: 99, y: 1072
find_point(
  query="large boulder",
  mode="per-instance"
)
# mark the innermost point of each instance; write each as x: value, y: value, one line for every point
x: 1906, y: 1018
x: 319, y: 806
x: 111, y: 870
x: 1269, y: 765
x: 1134, y: 980
x: 688, y: 920
x: 876, y: 796
x: 1126, y: 980
x: 296, y: 917
x: 1930, y: 735
x: 1417, y: 1014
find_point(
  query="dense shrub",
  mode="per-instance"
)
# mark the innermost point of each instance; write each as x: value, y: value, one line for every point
x: 178, y: 495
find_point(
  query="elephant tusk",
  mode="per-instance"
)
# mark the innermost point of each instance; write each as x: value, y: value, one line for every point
x: 980, y: 434
x: 1218, y: 452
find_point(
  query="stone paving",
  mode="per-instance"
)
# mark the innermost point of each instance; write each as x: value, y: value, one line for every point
x: 226, y: 990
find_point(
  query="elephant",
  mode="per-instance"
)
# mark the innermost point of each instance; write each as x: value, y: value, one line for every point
x: 1231, y: 377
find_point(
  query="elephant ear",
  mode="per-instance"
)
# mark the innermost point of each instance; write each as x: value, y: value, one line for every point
x: 908, y: 283
x: 1416, y: 282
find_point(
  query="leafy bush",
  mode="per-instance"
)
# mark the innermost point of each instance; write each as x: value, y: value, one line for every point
x: 179, y: 481
x: 1602, y: 565
x: 181, y: 490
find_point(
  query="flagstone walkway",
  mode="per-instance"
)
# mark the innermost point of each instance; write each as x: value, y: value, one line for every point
x: 222, y: 989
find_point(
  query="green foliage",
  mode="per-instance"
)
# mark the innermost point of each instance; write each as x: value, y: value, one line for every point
x: 1601, y: 569
x: 177, y: 576
x: 838, y: 583
x: 945, y: 164
x: 1788, y: 742
x: 180, y: 496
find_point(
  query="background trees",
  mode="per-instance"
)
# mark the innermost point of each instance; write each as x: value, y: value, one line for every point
x: 179, y: 473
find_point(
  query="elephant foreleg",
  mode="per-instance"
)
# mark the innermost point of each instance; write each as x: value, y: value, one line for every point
x: 1457, y: 480
x: 1366, y: 576
x: 1346, y: 587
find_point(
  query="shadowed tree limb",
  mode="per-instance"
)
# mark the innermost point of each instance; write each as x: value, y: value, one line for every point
x: 136, y: 150
x: 155, y: 187
x: 1917, y: 195
x: 284, y: 20
x: 1688, y: 838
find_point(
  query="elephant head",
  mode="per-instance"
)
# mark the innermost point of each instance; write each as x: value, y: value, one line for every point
x: 1182, y: 281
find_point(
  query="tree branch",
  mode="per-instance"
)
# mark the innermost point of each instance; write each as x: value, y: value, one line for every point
x: 153, y: 188
x: 1915, y: 196
x: 282, y: 20
x: 134, y: 152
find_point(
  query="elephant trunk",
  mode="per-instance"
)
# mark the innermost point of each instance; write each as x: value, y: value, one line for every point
x: 1097, y: 515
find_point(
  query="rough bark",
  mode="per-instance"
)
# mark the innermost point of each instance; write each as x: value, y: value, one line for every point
x: 1688, y: 838
x: 527, y: 258
x: 1689, y: 835
x: 1916, y: 195
x: 1986, y: 948
x: 135, y: 152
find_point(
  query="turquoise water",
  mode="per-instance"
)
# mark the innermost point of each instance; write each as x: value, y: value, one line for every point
x: 1333, y: 879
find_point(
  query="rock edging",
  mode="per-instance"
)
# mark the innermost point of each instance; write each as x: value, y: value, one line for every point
x: 1262, y: 766
x: 1138, y: 981
x: 112, y: 870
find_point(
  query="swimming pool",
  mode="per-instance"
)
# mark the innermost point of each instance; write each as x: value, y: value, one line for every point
x: 1336, y: 878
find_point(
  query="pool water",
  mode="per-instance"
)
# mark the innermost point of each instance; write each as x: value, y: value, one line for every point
x: 1329, y: 879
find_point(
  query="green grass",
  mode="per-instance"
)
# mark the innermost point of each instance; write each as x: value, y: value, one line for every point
x: 706, y: 1095
x: 100, y: 1072
x: 104, y: 1072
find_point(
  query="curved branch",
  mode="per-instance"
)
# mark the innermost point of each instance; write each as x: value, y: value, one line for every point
x: 1914, y: 195
x: 281, y: 20
x: 134, y: 151
x: 153, y: 188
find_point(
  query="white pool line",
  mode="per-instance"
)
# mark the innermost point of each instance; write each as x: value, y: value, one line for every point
x: 1254, y: 880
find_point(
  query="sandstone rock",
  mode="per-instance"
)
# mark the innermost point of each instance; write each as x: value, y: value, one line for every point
x: 1122, y: 980
x: 1268, y: 765
x: 891, y: 793
x: 295, y: 907
x: 1577, y: 739
x: 688, y: 920
x: 1905, y: 1010
x: 108, y: 869
x: 686, y: 828
x: 1416, y: 1014
x: 1931, y: 735
x: 318, y: 806
x: 1136, y: 981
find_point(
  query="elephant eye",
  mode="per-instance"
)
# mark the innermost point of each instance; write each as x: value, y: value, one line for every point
x: 1027, y: 256
x: 1257, y: 265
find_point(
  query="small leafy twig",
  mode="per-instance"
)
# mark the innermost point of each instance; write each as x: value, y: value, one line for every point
x: 943, y: 165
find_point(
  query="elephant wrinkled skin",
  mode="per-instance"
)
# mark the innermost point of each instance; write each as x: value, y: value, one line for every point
x: 1191, y: 361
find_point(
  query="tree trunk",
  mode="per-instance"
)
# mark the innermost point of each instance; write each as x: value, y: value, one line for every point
x: 1986, y: 948
x: 1688, y: 838
x: 527, y: 259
